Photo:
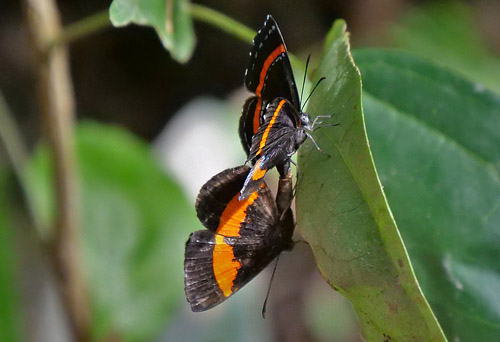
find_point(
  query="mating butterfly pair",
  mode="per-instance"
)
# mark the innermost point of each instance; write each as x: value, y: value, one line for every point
x: 247, y: 227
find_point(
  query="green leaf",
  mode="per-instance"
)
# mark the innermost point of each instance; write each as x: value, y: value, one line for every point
x: 447, y: 32
x: 436, y: 142
x: 170, y: 19
x: 135, y: 221
x: 343, y: 214
x: 10, y: 318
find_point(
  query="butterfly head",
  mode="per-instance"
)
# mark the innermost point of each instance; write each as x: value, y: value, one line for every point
x: 305, y: 121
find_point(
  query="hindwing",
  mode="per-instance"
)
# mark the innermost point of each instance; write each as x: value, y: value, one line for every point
x: 273, y: 144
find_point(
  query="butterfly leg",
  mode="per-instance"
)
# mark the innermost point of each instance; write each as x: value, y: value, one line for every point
x: 315, y: 144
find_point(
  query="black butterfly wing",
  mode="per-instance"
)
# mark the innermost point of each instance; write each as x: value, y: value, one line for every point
x: 249, y: 127
x: 268, y: 75
x: 280, y: 121
x: 250, y: 121
x: 215, y: 195
x: 243, y: 237
x: 278, y: 155
x: 201, y: 286
x: 273, y: 144
x: 216, y: 267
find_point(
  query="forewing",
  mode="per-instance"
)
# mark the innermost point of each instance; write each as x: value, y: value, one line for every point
x: 269, y: 73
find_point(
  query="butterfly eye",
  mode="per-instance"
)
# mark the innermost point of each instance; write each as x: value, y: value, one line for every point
x: 305, y: 119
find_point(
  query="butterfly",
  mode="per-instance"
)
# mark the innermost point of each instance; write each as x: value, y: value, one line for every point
x: 272, y: 125
x: 241, y: 239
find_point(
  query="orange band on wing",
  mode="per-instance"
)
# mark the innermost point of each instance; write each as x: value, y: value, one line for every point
x: 268, y: 128
x: 224, y: 263
x: 262, y: 77
x: 258, y: 173
x: 256, y: 115
x: 267, y: 63
x: 233, y: 215
x: 225, y: 266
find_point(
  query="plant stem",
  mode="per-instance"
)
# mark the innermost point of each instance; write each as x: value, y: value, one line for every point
x: 223, y: 22
x: 56, y: 106
x: 82, y: 28
x: 100, y: 20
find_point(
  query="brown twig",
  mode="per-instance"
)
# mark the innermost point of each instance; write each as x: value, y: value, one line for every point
x: 56, y: 105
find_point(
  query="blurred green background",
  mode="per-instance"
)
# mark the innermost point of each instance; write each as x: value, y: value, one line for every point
x: 151, y: 131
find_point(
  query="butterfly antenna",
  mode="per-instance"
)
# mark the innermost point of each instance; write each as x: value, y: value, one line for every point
x: 304, y: 80
x: 264, y: 306
x: 316, y: 86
